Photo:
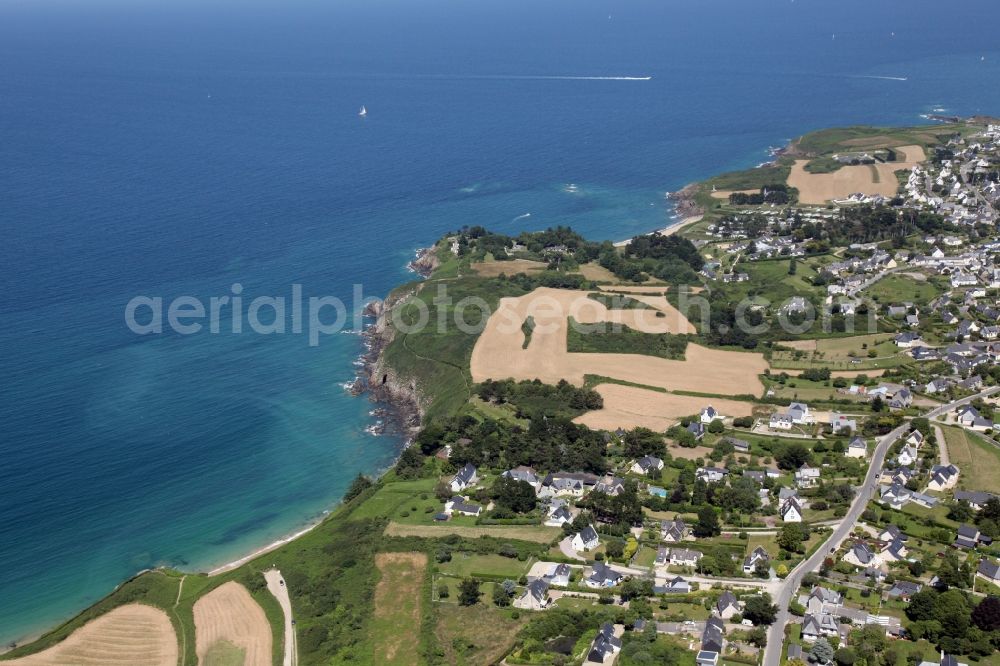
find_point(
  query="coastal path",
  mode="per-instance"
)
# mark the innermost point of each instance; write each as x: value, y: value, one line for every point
x: 276, y: 586
x: 776, y: 632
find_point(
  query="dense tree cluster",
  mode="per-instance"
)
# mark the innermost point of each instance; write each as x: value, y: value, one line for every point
x: 535, y: 398
x: 954, y: 621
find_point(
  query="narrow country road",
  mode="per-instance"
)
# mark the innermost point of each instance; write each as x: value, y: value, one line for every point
x: 276, y: 585
x: 776, y: 632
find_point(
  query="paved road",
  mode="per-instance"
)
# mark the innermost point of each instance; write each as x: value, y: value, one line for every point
x: 776, y: 632
x: 276, y: 585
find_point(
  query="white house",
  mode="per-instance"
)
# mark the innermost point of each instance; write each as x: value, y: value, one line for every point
x: 860, y: 555
x: 646, y: 464
x: 807, y: 477
x: 942, y: 477
x: 585, y: 539
x: 857, y: 448
x: 709, y: 414
x: 465, y: 478
x: 460, y: 505
x: 727, y: 605
x: 683, y: 557
x: 535, y: 596
x: 791, y: 511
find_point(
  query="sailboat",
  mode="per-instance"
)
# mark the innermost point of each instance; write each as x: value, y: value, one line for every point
x: 363, y: 112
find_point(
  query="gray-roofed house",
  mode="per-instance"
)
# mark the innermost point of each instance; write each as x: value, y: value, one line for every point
x: 605, y: 645
x: 903, y: 589
x: 603, y: 576
x: 942, y: 477
x: 459, y: 504
x: 585, y: 539
x: 684, y: 557
x: 647, y: 464
x: 989, y: 570
x: 727, y: 605
x: 968, y: 536
x: 757, y: 555
x: 535, y: 596
x: 465, y: 478
x: 815, y: 626
x: 861, y: 555
x: 977, y: 499
x: 673, y: 531
x: 821, y: 598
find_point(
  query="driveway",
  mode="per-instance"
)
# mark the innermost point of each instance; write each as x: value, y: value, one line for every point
x: 276, y: 586
x: 566, y: 546
x: 942, y: 446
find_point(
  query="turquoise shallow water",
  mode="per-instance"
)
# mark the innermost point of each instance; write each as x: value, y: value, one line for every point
x: 168, y: 149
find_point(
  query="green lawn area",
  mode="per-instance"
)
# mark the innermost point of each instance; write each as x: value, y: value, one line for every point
x: 978, y: 460
x: 767, y: 541
x: 473, y: 635
x: 897, y: 288
x: 464, y: 565
x: 398, y: 496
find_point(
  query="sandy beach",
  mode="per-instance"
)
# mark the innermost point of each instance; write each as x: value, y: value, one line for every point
x: 668, y: 231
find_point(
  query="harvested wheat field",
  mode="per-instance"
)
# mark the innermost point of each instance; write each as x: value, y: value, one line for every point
x: 499, y: 352
x: 801, y: 345
x: 629, y: 407
x: 724, y: 194
x: 398, y: 601
x: 134, y: 634
x: 819, y: 188
x: 228, y: 614
x: 512, y: 267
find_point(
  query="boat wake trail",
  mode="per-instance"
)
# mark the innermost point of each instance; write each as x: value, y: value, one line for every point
x: 884, y: 78
x: 521, y: 217
x: 542, y: 77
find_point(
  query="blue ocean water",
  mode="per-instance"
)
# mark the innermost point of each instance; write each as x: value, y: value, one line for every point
x: 167, y: 149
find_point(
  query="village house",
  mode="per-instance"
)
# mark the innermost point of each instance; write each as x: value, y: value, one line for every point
x: 523, y: 473
x: 860, y: 555
x: 976, y: 499
x: 585, y: 539
x: 603, y: 575
x: 711, y: 474
x: 989, y: 570
x: 461, y: 505
x: 559, y: 575
x: 675, y: 585
x: 968, y: 536
x: 646, y: 464
x: 807, y: 477
x: 750, y: 561
x: 605, y: 645
x: 841, y: 423
x: 942, y: 477
x: 465, y: 478
x: 903, y: 589
x: 535, y: 596
x: 727, y: 605
x: 709, y: 414
x: 857, y: 448
x: 684, y: 557
x: 558, y: 514
x: 791, y: 510
x: 816, y: 626
x: 822, y: 600
x: 567, y: 484
x: 969, y: 417
x: 673, y: 531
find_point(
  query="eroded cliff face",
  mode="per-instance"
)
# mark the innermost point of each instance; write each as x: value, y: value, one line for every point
x: 425, y: 263
x: 398, y: 399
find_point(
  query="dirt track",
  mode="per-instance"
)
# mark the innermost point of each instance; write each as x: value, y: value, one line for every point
x: 229, y: 613
x: 130, y: 635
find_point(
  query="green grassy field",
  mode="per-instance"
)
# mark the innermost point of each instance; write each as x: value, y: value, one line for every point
x: 608, y: 339
x: 978, y: 460
x: 464, y: 565
x: 897, y: 288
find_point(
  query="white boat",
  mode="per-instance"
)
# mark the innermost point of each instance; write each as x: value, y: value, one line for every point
x: 363, y: 112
